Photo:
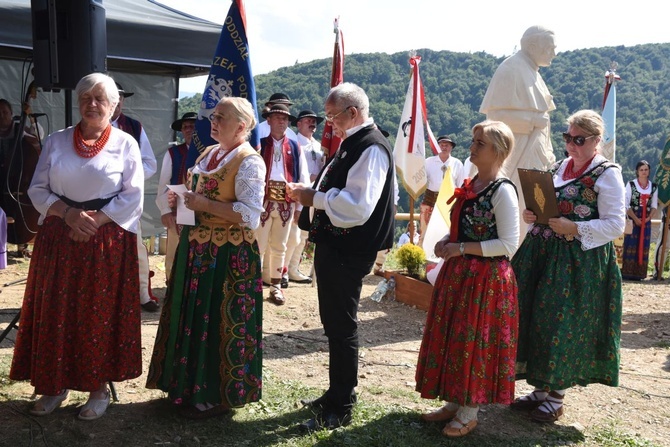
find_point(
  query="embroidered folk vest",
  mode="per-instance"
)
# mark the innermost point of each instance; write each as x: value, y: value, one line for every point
x: 219, y: 185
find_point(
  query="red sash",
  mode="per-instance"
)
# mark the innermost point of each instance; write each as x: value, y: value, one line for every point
x: 640, y: 242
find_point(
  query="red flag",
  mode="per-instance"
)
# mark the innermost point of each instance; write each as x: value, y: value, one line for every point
x: 329, y: 142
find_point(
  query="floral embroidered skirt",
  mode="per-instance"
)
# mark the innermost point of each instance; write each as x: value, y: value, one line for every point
x: 80, y: 319
x: 569, y: 312
x: 469, y: 343
x: 209, y: 343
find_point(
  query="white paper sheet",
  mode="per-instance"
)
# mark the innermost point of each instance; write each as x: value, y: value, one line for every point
x: 185, y: 216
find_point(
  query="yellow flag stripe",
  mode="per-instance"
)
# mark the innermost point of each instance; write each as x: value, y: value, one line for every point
x: 445, y: 193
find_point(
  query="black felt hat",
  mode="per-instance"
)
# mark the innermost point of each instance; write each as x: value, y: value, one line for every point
x: 122, y: 92
x: 446, y: 138
x: 307, y: 114
x: 279, y: 98
x: 176, y: 125
x: 278, y: 108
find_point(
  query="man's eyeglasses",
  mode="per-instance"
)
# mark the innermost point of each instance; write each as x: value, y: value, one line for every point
x: 331, y: 118
x: 578, y: 139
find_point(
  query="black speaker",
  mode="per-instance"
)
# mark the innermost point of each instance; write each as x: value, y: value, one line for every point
x: 69, y: 41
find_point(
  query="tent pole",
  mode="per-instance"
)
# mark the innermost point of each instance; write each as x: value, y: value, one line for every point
x: 68, y: 107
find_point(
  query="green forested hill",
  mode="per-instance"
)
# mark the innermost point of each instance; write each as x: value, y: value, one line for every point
x: 455, y: 84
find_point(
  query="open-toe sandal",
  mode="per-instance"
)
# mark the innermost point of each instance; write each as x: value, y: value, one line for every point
x: 527, y: 403
x: 49, y: 404
x: 550, y: 416
x: 94, y: 408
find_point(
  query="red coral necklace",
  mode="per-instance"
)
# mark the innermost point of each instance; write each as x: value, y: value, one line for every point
x: 217, y: 156
x: 569, y: 172
x: 86, y: 150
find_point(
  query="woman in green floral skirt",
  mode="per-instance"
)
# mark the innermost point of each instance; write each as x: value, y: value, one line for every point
x: 208, y: 350
x: 569, y: 282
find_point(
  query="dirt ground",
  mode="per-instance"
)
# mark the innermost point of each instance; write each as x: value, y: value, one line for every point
x: 391, y: 332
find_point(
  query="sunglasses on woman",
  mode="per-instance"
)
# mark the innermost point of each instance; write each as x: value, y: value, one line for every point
x: 577, y: 139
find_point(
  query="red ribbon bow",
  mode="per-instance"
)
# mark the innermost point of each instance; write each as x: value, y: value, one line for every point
x: 466, y: 192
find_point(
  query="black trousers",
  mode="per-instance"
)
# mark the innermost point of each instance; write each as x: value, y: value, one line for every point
x: 339, y: 278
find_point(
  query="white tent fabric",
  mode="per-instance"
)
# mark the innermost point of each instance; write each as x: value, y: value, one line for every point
x: 150, y: 46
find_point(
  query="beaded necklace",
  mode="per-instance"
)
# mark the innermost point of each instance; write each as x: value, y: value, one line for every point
x: 213, y: 162
x: 570, y: 174
x: 85, y: 150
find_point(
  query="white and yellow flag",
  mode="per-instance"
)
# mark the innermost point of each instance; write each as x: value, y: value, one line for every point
x: 440, y: 219
x: 410, y: 143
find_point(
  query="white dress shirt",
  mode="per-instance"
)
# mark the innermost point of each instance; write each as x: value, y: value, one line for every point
x: 353, y: 205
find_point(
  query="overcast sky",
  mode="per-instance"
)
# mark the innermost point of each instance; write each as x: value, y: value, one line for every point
x: 283, y: 32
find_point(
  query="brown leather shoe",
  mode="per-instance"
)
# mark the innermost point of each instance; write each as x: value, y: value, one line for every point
x: 439, y: 415
x: 453, y: 432
x: 277, y: 296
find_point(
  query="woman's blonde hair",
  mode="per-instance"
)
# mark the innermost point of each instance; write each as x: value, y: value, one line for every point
x: 500, y: 135
x: 589, y: 121
x: 244, y: 111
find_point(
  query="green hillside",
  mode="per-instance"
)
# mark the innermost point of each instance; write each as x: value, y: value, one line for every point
x: 455, y: 84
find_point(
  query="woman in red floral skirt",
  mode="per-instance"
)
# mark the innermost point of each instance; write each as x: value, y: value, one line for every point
x: 80, y: 319
x: 468, y: 350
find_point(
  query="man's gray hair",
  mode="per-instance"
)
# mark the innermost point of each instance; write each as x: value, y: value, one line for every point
x: 348, y: 94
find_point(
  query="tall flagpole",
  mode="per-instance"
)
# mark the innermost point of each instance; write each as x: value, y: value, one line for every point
x: 609, y: 112
x: 409, y: 152
x: 329, y: 141
x: 232, y: 78
x: 412, y: 134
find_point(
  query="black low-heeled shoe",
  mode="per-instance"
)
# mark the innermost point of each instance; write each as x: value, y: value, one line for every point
x: 151, y: 306
x: 317, y: 404
x: 326, y: 420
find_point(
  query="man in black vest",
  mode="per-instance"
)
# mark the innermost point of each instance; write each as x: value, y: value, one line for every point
x: 350, y: 219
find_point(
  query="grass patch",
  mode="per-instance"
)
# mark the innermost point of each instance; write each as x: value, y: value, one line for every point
x: 274, y: 422
x: 611, y: 436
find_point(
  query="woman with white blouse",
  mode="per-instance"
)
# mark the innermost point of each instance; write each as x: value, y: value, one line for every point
x: 641, y: 202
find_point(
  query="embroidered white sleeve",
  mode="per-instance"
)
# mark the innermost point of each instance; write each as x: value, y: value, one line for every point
x: 250, y: 190
x: 611, y: 210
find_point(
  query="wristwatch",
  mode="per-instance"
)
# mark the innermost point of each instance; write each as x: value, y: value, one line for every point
x: 461, y: 248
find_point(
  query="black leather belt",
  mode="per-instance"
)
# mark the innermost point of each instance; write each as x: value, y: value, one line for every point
x: 89, y: 205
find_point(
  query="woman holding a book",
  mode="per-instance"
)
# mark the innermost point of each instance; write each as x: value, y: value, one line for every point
x: 569, y: 283
x: 641, y: 202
